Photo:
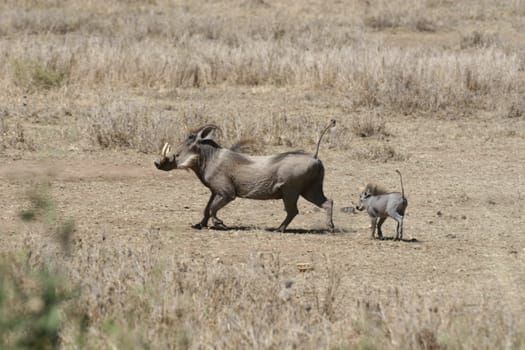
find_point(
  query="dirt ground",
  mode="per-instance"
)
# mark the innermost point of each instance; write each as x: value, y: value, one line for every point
x: 464, y: 227
x: 91, y: 89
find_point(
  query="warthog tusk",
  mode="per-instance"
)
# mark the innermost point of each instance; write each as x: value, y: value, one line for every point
x: 163, y: 152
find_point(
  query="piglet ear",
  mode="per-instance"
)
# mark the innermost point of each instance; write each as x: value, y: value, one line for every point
x: 207, y: 132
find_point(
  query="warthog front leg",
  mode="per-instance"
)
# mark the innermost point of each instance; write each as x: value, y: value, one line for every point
x: 218, y: 202
x: 373, y: 223
x: 379, y: 231
x: 215, y: 203
x: 204, y: 221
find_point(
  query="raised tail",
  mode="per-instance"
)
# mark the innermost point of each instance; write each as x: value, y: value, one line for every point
x: 401, y: 179
x: 330, y: 125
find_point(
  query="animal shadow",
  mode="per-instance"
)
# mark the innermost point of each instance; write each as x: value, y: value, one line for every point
x: 258, y: 228
x: 319, y: 231
x: 233, y: 228
x: 411, y: 240
x: 300, y: 231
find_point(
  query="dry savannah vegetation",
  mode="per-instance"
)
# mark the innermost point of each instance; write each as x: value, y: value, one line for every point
x: 96, y: 246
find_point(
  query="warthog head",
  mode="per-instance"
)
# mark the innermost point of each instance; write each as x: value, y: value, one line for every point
x: 362, y: 200
x: 365, y: 196
x: 186, y: 155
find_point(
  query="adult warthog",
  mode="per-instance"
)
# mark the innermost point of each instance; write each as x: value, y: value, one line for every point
x: 230, y: 174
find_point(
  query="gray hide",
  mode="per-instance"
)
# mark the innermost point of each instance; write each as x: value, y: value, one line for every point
x: 381, y: 205
x: 229, y: 174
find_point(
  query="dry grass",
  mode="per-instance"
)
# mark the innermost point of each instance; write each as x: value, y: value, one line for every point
x: 127, y: 124
x: 517, y: 109
x: 479, y: 40
x: 132, y: 124
x: 126, y: 74
x: 369, y: 124
x: 413, y: 15
x: 29, y: 74
x: 143, y: 298
x: 406, y: 80
x: 151, y: 51
x: 12, y: 135
x: 379, y: 152
x: 130, y: 46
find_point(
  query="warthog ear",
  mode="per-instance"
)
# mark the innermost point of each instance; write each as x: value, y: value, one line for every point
x: 207, y: 132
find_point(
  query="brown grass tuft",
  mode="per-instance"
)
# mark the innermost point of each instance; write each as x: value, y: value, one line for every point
x: 478, y: 40
x: 369, y: 124
x: 380, y: 152
x: 32, y: 74
x: 517, y: 109
x: 13, y: 136
x: 116, y: 124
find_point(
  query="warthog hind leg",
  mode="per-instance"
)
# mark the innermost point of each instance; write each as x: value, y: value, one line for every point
x: 316, y: 196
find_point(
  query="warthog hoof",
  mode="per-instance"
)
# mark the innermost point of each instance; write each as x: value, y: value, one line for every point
x: 198, y: 226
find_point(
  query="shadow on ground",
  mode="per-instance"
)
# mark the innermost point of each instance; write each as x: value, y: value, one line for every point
x: 411, y: 240
x: 288, y: 231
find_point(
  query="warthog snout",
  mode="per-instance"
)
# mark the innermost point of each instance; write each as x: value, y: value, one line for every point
x: 363, y: 197
x: 167, y: 160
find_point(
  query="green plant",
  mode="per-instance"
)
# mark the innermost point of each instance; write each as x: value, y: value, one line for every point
x: 33, y: 298
x: 42, y: 208
x: 30, y: 306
